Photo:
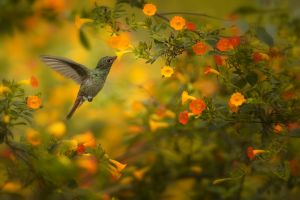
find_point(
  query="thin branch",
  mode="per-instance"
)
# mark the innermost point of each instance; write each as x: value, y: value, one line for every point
x: 162, y: 17
x: 193, y: 14
x: 20, y: 153
x: 241, y: 186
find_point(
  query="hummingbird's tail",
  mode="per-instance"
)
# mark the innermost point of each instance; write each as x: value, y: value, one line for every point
x: 79, y: 100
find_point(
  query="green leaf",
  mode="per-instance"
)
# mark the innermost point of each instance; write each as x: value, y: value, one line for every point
x: 246, y: 10
x: 18, y: 124
x: 3, y: 173
x: 242, y: 25
x: 295, y: 133
x: 239, y: 82
x: 83, y: 39
x: 72, y: 184
x: 252, y: 78
x: 217, y: 181
x: 211, y: 42
x: 148, y: 22
x: 264, y: 36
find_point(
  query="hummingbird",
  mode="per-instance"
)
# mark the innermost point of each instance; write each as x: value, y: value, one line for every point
x: 91, y: 81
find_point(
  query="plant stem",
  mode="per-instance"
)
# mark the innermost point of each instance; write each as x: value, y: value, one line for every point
x: 239, y: 192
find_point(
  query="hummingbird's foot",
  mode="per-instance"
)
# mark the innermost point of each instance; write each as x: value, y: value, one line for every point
x: 90, y: 99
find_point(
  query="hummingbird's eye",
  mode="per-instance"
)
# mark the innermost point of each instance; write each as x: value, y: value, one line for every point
x: 109, y: 60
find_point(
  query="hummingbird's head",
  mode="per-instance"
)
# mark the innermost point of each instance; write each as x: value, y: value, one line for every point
x: 106, y: 62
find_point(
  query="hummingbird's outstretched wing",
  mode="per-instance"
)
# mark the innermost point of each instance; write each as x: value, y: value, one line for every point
x: 67, y: 68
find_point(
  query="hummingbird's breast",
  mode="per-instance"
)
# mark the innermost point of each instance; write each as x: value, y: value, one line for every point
x: 92, y: 85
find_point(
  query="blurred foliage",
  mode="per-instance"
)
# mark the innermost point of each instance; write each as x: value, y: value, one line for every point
x: 49, y: 162
x: 18, y: 14
x: 14, y: 110
x: 222, y: 123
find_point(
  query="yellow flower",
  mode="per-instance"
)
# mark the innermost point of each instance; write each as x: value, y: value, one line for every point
x: 6, y: 119
x: 278, y: 128
x: 115, y: 168
x: 126, y: 180
x: 217, y: 181
x: 167, y: 71
x: 87, y: 139
x: 206, y: 87
x: 182, y: 78
x: 24, y: 82
x: 210, y: 70
x: 233, y: 108
x: 57, y: 129
x: 196, y: 169
x: 177, y: 22
x: 259, y: 56
x: 55, y: 5
x: 66, y: 161
x: 119, y: 166
x: 251, y: 152
x: 170, y: 114
x: 33, y: 137
x: 120, y: 41
x: 149, y: 9
x: 33, y: 81
x: 88, y: 163
x: 138, y: 106
x: 4, y: 89
x: 265, y: 56
x: 139, y: 174
x: 80, y: 21
x: 34, y: 102
x: 121, y: 53
x: 163, y: 112
x: 11, y: 186
x: 115, y: 174
x: 154, y: 125
x: 70, y: 144
x: 185, y: 97
x: 237, y: 99
x: 156, y: 117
